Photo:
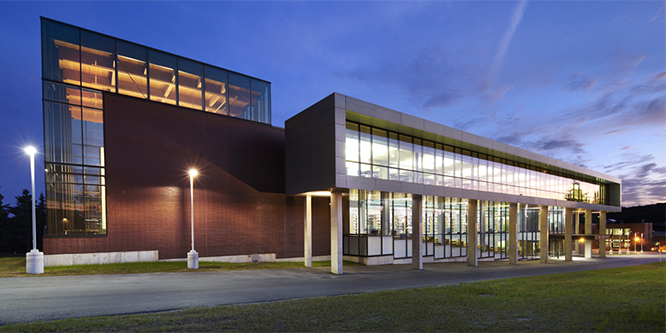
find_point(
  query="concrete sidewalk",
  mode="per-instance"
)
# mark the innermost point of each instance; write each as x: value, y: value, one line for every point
x: 28, y: 299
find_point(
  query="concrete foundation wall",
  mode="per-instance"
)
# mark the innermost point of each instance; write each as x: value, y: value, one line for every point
x: 99, y: 258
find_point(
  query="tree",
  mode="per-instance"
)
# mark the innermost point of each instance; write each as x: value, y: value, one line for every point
x: 5, y: 238
x: 21, y: 225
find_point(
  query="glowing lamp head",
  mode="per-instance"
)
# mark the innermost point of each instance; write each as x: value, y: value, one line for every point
x: 193, y: 173
x: 582, y: 240
x: 637, y: 239
x: 30, y: 150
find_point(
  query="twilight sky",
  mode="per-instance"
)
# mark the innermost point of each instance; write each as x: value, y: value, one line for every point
x: 580, y: 81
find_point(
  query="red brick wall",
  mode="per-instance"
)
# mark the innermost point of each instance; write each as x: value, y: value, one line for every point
x: 239, y: 201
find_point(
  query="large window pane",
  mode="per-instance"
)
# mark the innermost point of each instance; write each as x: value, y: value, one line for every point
x: 379, y: 147
x: 132, y: 70
x: 92, y: 98
x: 60, y: 47
x: 217, y: 81
x: 162, y: 74
x: 261, y: 101
x: 351, y: 143
x: 366, y: 145
x: 190, y: 76
x: 406, y: 153
x: 62, y: 129
x: 64, y: 93
x: 239, y: 96
x: 93, y: 125
x: 98, y: 67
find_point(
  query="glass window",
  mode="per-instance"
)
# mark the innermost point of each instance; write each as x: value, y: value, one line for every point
x: 449, y: 163
x: 217, y: 81
x: 162, y: 74
x: 98, y: 66
x: 239, y: 96
x: 394, y: 150
x: 406, y: 153
x: 92, y: 98
x: 93, y: 124
x: 261, y: 101
x: 428, y: 156
x: 60, y: 47
x: 132, y: 70
x: 62, y: 129
x: 379, y: 147
x: 366, y: 145
x: 190, y: 76
x: 351, y: 142
x: 59, y: 92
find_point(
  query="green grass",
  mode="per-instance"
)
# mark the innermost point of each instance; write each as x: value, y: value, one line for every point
x: 15, y: 267
x: 612, y: 300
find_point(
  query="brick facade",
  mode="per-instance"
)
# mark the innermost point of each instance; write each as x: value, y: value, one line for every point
x: 239, y: 197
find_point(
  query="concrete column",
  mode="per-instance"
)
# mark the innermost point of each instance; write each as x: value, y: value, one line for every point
x: 568, y: 238
x: 336, y: 232
x: 513, y: 233
x: 472, y: 257
x: 602, y: 231
x: 307, y: 232
x: 543, y: 234
x: 417, y: 231
x: 576, y: 231
x: 588, y: 231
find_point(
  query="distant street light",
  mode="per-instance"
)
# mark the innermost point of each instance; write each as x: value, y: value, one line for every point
x: 34, y: 260
x: 192, y: 256
x: 635, y: 241
x: 641, y: 243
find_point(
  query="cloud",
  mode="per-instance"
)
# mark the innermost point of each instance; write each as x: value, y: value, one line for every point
x: 580, y: 82
x: 645, y: 169
x: 517, y: 16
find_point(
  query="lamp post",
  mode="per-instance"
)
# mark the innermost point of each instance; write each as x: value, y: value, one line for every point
x: 192, y: 256
x: 641, y: 243
x: 34, y: 260
x: 635, y: 241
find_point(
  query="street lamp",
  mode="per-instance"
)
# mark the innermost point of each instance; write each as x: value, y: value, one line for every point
x: 641, y: 243
x: 192, y: 256
x: 34, y: 260
x: 635, y: 242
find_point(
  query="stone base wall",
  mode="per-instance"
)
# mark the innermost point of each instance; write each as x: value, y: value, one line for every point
x: 99, y: 258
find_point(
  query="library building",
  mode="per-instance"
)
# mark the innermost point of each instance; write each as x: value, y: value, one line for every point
x: 344, y: 179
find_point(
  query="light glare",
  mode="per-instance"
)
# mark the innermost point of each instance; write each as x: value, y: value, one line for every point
x: 193, y: 173
x: 30, y: 150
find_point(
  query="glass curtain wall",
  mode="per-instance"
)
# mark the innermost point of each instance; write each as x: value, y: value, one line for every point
x: 556, y: 227
x: 380, y: 223
x: 528, y: 232
x: 492, y: 230
x: 377, y: 153
x: 84, y: 58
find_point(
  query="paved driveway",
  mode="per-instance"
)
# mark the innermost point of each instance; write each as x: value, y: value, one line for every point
x: 28, y: 299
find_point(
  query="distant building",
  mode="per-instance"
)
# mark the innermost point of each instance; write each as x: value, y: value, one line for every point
x: 345, y: 178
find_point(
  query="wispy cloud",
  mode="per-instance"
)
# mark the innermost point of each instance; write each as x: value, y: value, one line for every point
x: 580, y: 82
x: 498, y: 60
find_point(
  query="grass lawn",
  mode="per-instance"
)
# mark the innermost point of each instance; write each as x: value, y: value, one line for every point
x: 15, y: 267
x: 617, y: 300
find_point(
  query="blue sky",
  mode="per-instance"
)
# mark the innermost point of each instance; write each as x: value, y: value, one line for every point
x: 580, y: 81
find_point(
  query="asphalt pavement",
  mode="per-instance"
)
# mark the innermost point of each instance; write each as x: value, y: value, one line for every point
x: 28, y: 299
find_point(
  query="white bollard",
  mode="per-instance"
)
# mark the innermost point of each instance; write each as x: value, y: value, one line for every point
x: 193, y: 260
x: 34, y: 262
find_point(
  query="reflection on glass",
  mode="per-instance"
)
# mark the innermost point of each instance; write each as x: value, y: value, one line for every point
x: 60, y: 45
x: 162, y: 77
x: 261, y: 101
x: 217, y: 81
x: 239, y: 96
x: 132, y: 70
x: 190, y: 76
x: 98, y: 66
